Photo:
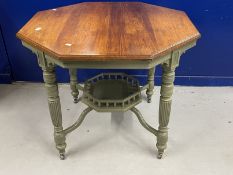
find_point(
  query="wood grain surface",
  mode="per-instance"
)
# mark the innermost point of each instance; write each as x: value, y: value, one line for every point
x: 108, y: 31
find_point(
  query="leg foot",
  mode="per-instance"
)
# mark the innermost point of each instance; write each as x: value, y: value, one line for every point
x: 160, y: 154
x: 75, y: 100
x: 60, y: 140
x: 62, y: 156
x: 162, y: 138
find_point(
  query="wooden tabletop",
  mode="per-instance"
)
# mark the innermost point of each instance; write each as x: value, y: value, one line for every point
x: 108, y: 31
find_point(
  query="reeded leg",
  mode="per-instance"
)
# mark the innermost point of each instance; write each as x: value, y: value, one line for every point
x: 73, y: 84
x: 165, y: 108
x: 150, y: 80
x: 55, y: 108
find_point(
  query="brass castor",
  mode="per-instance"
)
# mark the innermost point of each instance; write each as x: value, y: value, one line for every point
x: 160, y: 155
x: 62, y: 156
x: 75, y: 100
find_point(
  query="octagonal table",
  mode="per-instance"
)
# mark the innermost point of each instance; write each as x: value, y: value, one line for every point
x: 109, y: 35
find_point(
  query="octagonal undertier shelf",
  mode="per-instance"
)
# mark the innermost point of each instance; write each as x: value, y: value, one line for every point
x: 110, y: 92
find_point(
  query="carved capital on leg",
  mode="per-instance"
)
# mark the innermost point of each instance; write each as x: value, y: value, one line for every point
x: 149, y: 91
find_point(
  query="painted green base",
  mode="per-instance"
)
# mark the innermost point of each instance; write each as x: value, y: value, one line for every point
x: 169, y: 62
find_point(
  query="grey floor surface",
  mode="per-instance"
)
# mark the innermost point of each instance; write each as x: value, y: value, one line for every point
x: 200, y: 135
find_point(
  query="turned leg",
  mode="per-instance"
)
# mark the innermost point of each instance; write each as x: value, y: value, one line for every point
x: 54, y: 108
x: 149, y: 91
x: 168, y: 76
x: 73, y: 84
x: 165, y: 107
x: 53, y: 102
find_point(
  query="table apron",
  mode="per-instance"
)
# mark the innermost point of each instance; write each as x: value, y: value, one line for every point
x: 111, y: 64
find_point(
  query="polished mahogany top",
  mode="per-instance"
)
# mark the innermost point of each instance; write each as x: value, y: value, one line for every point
x: 108, y: 31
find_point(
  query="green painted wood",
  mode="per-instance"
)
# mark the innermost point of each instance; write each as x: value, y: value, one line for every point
x: 98, y: 92
x: 78, y: 122
x: 166, y: 91
x: 169, y: 62
x: 73, y: 84
x: 53, y: 102
x: 111, y: 64
x: 143, y: 122
x: 151, y: 84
